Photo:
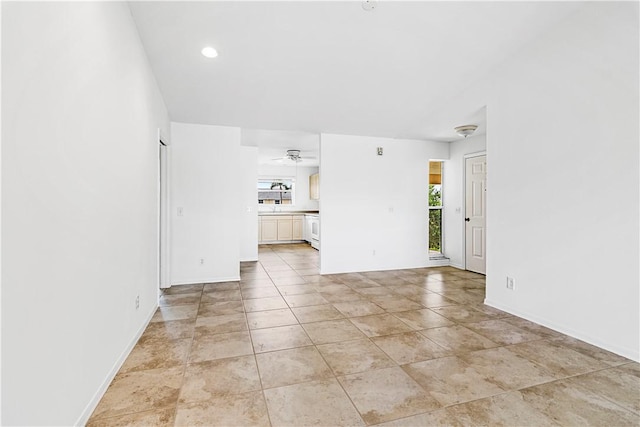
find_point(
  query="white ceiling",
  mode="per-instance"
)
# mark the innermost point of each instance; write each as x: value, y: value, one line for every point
x: 331, y: 66
x: 273, y: 145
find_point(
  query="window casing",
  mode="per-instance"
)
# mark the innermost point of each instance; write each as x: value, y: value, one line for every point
x: 276, y: 191
x: 435, y: 209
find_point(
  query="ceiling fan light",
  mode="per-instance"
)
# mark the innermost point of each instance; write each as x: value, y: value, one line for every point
x: 465, y: 130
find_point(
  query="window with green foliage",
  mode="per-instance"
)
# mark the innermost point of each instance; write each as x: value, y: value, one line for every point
x: 278, y: 191
x: 435, y: 209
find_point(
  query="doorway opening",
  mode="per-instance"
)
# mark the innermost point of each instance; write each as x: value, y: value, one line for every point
x: 435, y: 210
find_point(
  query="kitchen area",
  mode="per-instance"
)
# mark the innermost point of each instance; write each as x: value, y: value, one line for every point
x: 288, y: 187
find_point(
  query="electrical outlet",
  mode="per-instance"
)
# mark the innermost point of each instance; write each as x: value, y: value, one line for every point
x: 374, y: 252
x: 511, y: 283
x: 201, y: 261
x: 137, y: 302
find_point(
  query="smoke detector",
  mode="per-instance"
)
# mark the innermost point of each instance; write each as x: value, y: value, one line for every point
x: 465, y: 130
x: 369, y: 5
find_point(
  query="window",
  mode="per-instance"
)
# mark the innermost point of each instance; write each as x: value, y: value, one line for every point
x: 435, y: 209
x: 278, y: 191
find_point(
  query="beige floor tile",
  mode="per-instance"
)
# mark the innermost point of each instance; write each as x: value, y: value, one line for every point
x: 342, y: 296
x: 572, y: 405
x: 386, y: 394
x: 221, y: 324
x: 410, y: 290
x: 502, y: 332
x: 331, y: 287
x: 506, y: 369
x: 289, y: 281
x: 616, y: 385
x: 140, y: 391
x: 350, y: 357
x: 305, y: 300
x: 319, y: 403
x: 316, y: 313
x: 279, y: 338
x: 179, y: 299
x: 221, y: 308
x: 409, y: 347
x: 279, y: 271
x: 395, y: 304
x: 246, y: 409
x: 261, y: 304
x: 560, y: 361
x: 357, y: 308
x: 261, y: 292
x: 157, y: 418
x: 378, y: 291
x: 506, y: 410
x: 154, y: 354
x: 439, y: 418
x: 297, y: 289
x: 450, y: 380
x: 461, y: 313
x: 171, y: 330
x: 464, y: 297
x: 632, y: 368
x: 252, y: 283
x: 221, y: 286
x: 422, y: 319
x: 296, y: 365
x: 207, y: 346
x: 380, y: 324
x: 217, y: 296
x: 458, y: 339
x: 179, y: 312
x: 205, y: 380
x: 532, y: 327
x: 183, y: 289
x: 432, y: 300
x: 591, y: 350
x: 271, y: 318
x: 332, y: 331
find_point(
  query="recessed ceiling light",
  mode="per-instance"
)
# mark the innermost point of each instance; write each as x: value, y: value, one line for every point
x: 209, y: 52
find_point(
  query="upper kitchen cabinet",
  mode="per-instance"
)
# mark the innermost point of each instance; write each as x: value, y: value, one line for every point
x: 314, y: 186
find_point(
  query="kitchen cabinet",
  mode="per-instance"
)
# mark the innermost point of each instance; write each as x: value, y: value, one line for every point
x: 297, y: 228
x: 314, y: 186
x: 285, y: 228
x: 281, y: 228
x: 268, y: 229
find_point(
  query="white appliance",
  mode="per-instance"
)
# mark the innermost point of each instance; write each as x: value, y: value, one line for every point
x: 315, y: 232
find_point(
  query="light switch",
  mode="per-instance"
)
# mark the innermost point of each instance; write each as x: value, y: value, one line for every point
x: 180, y: 211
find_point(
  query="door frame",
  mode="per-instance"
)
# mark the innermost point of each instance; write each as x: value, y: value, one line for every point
x: 464, y: 205
x: 164, y: 210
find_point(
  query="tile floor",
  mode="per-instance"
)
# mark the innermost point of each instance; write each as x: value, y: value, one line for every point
x: 286, y: 346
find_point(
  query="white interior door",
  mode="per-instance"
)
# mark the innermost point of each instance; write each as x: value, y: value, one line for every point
x: 475, y: 213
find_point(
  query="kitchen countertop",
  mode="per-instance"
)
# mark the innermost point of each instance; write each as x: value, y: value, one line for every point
x: 269, y: 213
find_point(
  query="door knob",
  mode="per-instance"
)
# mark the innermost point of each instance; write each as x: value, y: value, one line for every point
x: 467, y: 219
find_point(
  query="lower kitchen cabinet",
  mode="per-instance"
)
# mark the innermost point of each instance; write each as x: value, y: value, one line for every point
x: 268, y: 230
x: 280, y: 228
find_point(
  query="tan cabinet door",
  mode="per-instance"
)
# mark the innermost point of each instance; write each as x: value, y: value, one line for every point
x: 269, y: 229
x: 314, y: 186
x: 285, y: 228
x: 297, y: 229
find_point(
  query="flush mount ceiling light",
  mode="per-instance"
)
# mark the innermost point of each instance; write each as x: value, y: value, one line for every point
x: 369, y: 5
x: 465, y: 130
x: 209, y: 52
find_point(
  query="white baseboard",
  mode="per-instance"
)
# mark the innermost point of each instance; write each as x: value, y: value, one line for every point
x: 205, y: 280
x: 93, y: 403
x: 630, y: 353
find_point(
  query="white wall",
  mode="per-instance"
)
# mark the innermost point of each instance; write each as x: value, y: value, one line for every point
x: 453, y: 197
x: 81, y: 112
x: 374, y: 203
x: 302, y: 202
x: 563, y: 177
x: 249, y: 207
x: 206, y: 169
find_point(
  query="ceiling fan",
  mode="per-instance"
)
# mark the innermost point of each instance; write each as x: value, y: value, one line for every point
x: 294, y: 156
